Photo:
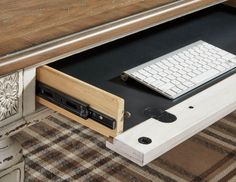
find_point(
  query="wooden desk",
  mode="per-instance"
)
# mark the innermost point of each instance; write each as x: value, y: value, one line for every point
x: 34, y: 33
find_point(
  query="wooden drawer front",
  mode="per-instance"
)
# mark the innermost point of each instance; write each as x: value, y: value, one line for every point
x: 11, y: 87
x: 97, y: 99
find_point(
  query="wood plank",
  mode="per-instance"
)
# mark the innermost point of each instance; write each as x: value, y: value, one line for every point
x: 207, y: 110
x: 35, y: 21
x: 97, y: 99
x: 88, y: 123
x: 231, y: 3
x: 29, y: 79
x: 64, y: 43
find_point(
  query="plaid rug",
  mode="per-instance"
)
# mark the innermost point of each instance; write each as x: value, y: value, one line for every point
x: 58, y: 149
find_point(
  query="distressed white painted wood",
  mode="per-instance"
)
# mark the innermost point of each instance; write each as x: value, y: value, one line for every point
x: 13, y: 174
x: 11, y: 87
x: 18, y: 125
x: 29, y: 78
x: 209, y: 105
x: 10, y: 153
x: 10, y: 150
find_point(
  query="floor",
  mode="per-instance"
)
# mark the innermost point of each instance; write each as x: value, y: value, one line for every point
x: 58, y: 149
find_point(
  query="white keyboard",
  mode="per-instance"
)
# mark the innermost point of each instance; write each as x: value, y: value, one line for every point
x: 183, y: 70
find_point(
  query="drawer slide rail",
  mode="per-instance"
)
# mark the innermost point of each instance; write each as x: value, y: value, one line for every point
x: 73, y: 105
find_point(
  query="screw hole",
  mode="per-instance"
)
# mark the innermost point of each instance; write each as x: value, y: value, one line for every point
x: 127, y: 114
x: 145, y: 140
x: 190, y: 107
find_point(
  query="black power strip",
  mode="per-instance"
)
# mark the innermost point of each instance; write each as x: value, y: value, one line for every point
x: 73, y: 105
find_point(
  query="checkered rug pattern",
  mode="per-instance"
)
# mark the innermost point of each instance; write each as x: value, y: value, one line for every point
x: 58, y: 149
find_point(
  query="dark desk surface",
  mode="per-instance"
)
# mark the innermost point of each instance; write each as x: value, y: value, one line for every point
x: 34, y: 31
x: 102, y: 66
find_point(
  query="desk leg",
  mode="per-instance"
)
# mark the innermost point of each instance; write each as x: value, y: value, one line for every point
x: 10, y: 157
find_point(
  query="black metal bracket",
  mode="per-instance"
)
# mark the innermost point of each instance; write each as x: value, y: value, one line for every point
x: 73, y: 105
x: 160, y: 115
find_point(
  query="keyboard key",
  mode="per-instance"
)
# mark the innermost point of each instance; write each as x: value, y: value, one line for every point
x: 197, y: 72
x: 175, y: 82
x: 150, y: 80
x: 166, y: 86
x: 157, y: 83
x: 173, y: 69
x: 220, y: 68
x: 221, y: 52
x: 158, y: 69
x: 229, y: 56
x: 202, y: 69
x: 170, y: 92
x: 225, y: 65
x: 145, y: 73
x: 205, y: 76
x: 179, y: 67
x: 233, y: 60
x: 171, y: 77
x: 152, y: 71
x: 176, y: 62
x: 168, y: 72
x: 176, y: 89
x: 147, y: 68
x: 186, y: 77
x: 188, y: 84
x: 191, y: 74
x: 181, y: 79
x: 154, y: 66
x: 188, y: 70
x: 182, y: 87
x: 182, y: 72
x: 216, y: 56
x: 165, y: 80
x: 167, y: 63
x: 138, y: 75
x: 157, y: 77
x: 176, y: 74
x: 161, y: 65
x: 207, y: 67
x: 163, y: 74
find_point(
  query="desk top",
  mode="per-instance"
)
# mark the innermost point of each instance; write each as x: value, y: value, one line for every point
x: 34, y: 31
x: 28, y: 23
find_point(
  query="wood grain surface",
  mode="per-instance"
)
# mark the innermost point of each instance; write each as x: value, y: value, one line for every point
x: 27, y: 23
x: 97, y: 99
x: 34, y: 32
x: 231, y: 3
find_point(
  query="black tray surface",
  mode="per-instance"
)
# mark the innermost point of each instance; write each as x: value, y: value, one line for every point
x: 102, y: 66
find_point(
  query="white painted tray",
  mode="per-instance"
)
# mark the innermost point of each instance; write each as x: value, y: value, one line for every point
x: 209, y: 106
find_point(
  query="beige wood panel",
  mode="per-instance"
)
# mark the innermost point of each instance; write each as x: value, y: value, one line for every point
x: 80, y: 41
x: 88, y: 123
x: 98, y: 99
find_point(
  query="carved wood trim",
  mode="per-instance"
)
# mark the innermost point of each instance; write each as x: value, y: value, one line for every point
x: 11, y: 89
x: 9, y: 100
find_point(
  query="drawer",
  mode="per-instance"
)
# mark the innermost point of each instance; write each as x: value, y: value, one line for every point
x: 87, y: 88
x: 66, y: 94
